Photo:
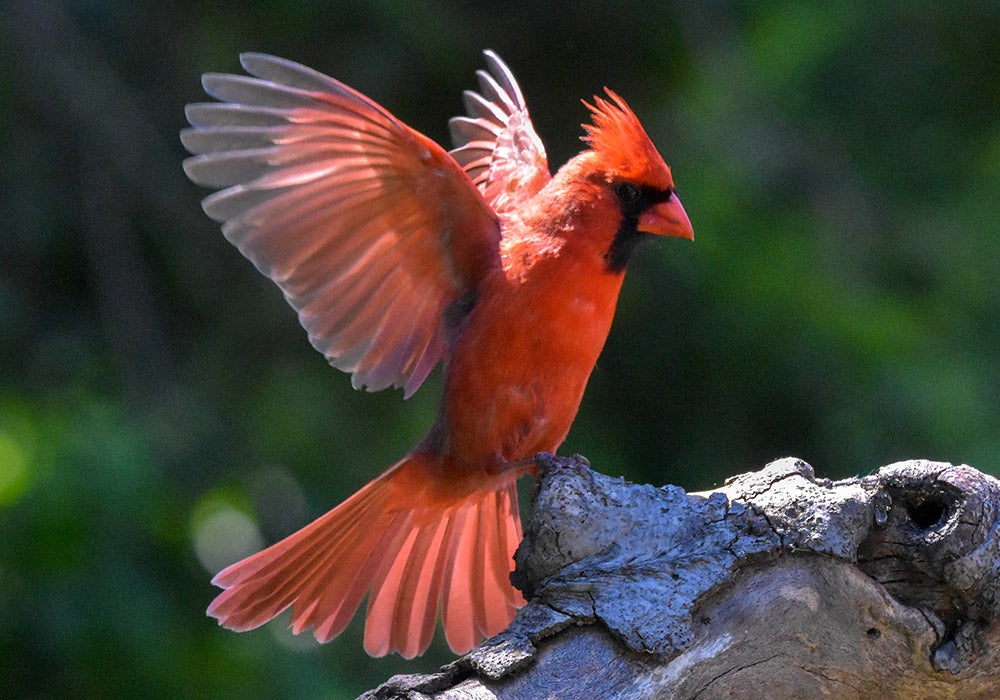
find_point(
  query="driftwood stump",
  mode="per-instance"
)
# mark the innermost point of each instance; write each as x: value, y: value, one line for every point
x: 778, y: 585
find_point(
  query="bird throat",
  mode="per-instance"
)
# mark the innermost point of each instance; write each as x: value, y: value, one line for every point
x: 626, y: 239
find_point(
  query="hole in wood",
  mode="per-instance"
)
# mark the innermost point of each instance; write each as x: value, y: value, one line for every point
x: 928, y: 513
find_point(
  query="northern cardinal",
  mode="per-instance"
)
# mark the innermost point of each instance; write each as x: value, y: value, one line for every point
x: 398, y: 255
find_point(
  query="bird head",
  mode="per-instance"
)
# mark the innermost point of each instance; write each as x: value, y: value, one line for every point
x: 634, y: 169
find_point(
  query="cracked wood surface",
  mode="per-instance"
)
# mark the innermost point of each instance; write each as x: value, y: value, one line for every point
x: 778, y: 584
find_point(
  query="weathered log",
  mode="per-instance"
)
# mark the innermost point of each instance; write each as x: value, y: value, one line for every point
x: 778, y: 585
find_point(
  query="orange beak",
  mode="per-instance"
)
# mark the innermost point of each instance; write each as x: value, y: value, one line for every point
x: 667, y: 219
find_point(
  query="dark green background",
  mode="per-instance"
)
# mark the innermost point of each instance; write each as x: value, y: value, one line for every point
x: 840, y: 163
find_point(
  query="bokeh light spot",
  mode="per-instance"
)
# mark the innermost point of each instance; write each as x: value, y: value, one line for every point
x: 222, y: 533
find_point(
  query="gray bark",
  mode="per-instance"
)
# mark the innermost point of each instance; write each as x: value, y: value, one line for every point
x: 778, y: 585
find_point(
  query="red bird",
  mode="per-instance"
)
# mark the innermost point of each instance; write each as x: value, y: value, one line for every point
x: 398, y: 255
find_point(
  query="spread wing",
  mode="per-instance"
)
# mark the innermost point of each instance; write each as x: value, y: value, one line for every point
x: 497, y: 144
x: 370, y: 229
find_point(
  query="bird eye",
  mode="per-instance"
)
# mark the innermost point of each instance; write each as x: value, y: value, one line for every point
x: 627, y: 193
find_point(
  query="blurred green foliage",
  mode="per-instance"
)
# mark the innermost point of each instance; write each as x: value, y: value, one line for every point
x: 841, y: 165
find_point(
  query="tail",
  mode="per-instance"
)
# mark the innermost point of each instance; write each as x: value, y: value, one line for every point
x: 412, y: 542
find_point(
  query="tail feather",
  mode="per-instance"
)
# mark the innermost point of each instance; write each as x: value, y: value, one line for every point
x: 510, y: 528
x: 384, y: 596
x: 496, y: 568
x: 426, y: 586
x: 428, y: 598
x: 456, y: 602
x: 404, y: 608
x: 416, y: 550
x: 340, y: 598
x: 306, y: 576
x: 507, y: 522
x: 262, y: 586
x: 479, y: 562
